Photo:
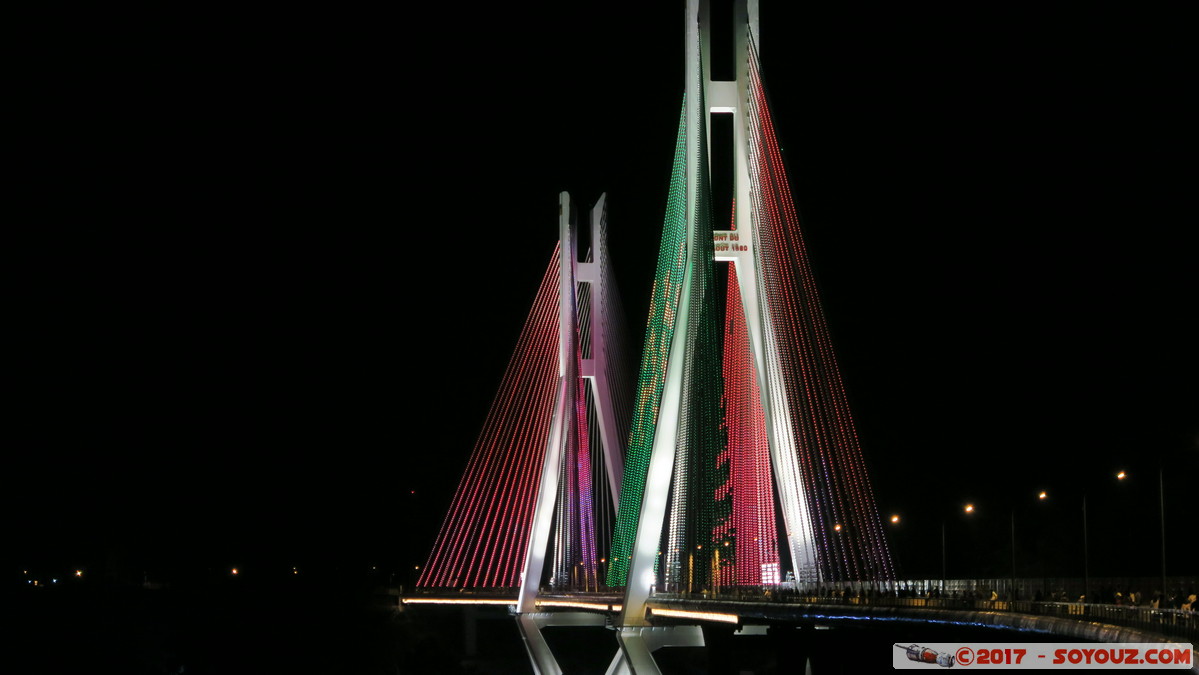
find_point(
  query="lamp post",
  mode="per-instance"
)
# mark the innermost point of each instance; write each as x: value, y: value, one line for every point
x: 968, y: 509
x: 942, y: 555
x: 895, y: 523
x: 1086, y: 558
x: 1012, y: 589
x: 1041, y: 496
x: 1161, y: 511
x: 1161, y: 504
x: 1086, y: 551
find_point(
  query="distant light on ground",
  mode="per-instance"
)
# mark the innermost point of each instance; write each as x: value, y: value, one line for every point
x: 970, y: 508
x: 894, y: 519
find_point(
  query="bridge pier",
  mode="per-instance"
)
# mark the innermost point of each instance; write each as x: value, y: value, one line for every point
x: 792, y: 648
x: 470, y: 631
x: 531, y: 624
x: 719, y: 641
x: 637, y: 644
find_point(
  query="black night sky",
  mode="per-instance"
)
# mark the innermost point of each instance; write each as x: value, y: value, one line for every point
x: 271, y: 267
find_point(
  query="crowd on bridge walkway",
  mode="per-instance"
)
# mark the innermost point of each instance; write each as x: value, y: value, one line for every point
x: 1176, y: 599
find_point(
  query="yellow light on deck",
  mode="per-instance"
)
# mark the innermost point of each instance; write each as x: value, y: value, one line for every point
x: 1043, y: 495
x: 1121, y: 476
x: 78, y: 573
x: 234, y: 570
x: 837, y: 527
x: 457, y: 601
x: 894, y: 519
x: 970, y: 508
x: 702, y: 616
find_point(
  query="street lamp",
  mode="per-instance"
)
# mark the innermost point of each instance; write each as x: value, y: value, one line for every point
x: 1161, y: 506
x: 898, y: 572
x: 942, y: 555
x: 1041, y: 496
x: 1086, y: 549
x: 1086, y: 554
x: 967, y: 509
x: 1012, y: 589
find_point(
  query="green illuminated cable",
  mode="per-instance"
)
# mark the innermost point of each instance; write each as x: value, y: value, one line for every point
x: 659, y: 332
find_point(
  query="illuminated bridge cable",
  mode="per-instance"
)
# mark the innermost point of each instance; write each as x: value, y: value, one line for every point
x: 847, y: 531
x: 515, y: 525
x: 698, y: 505
x: 659, y: 332
x: 750, y: 526
x: 483, y: 537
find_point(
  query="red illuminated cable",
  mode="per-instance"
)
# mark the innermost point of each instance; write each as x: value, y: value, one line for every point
x: 829, y: 447
x: 489, y: 480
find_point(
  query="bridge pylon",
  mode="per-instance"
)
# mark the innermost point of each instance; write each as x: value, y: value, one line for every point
x: 740, y: 412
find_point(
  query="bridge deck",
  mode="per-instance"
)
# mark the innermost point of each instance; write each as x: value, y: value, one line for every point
x: 1103, y: 623
x: 1084, y: 621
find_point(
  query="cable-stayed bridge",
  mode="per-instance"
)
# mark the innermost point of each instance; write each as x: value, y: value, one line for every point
x: 728, y: 468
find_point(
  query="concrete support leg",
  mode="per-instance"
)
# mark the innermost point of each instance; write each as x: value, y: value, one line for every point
x: 719, y: 641
x: 470, y: 630
x: 540, y: 656
x: 619, y: 665
x: 791, y: 648
x: 531, y: 624
x: 637, y: 643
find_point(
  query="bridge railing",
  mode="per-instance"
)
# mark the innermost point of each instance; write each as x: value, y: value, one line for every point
x: 1174, y: 623
x: 460, y: 595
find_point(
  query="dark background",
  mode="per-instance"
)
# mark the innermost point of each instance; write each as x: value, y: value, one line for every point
x: 270, y: 267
